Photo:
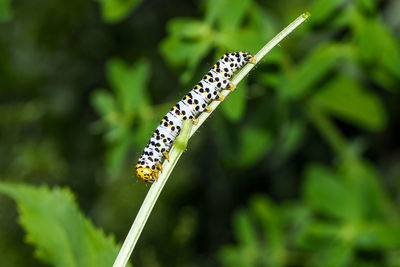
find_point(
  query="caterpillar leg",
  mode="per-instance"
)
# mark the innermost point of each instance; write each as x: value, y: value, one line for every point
x: 154, y: 176
x: 232, y: 86
x: 253, y: 60
x: 208, y: 109
x: 195, y: 121
x: 220, y: 97
x: 166, y: 155
x: 159, y: 166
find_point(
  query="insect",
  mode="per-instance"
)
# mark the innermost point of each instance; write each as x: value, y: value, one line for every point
x: 189, y: 108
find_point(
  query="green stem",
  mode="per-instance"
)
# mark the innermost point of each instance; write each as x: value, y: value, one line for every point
x: 180, y: 145
x: 331, y: 133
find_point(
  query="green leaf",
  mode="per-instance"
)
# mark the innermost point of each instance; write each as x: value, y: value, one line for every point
x: 115, y: 10
x: 61, y: 234
x: 231, y: 14
x: 5, y: 10
x: 378, y: 236
x: 345, y: 98
x: 269, y: 217
x: 129, y: 84
x: 291, y: 136
x: 244, y: 229
x: 241, y: 40
x: 322, y: 10
x: 188, y: 42
x: 116, y: 155
x: 247, y: 38
x: 188, y: 28
x: 327, y: 194
x: 315, y: 67
x: 377, y: 45
x: 254, y: 142
x: 364, y: 182
x: 235, y: 104
x: 369, y: 5
x: 103, y: 102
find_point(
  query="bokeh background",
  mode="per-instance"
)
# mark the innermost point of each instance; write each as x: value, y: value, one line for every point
x: 300, y: 166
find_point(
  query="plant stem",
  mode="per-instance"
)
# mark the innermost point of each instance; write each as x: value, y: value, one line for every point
x: 180, y: 145
x: 328, y: 130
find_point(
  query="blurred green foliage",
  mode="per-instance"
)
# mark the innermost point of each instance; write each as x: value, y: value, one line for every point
x: 61, y: 235
x: 343, y: 217
x: 5, y: 10
x: 299, y: 166
x: 115, y: 10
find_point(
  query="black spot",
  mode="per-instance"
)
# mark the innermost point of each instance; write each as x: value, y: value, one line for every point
x: 190, y: 101
x: 190, y: 117
x: 211, y: 80
x: 207, y: 90
x: 197, y: 108
x: 209, y: 96
x: 201, y: 90
x: 153, y: 167
x: 183, y: 112
x: 166, y: 124
x: 173, y: 128
x: 184, y: 118
x: 158, y: 137
x: 196, y: 101
x: 171, y: 122
x: 178, y: 127
x: 219, y: 84
x: 203, y: 106
x: 231, y: 65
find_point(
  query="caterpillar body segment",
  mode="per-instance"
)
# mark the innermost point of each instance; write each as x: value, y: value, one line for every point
x: 189, y: 108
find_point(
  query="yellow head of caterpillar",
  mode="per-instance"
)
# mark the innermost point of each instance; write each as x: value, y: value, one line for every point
x: 146, y: 174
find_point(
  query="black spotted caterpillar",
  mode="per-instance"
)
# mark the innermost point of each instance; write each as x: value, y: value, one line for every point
x: 191, y: 105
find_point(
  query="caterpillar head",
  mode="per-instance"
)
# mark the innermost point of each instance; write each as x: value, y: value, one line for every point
x: 146, y: 174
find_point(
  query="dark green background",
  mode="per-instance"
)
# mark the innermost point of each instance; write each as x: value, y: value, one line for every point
x: 300, y: 166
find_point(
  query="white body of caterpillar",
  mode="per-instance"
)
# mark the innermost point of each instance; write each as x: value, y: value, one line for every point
x: 189, y: 108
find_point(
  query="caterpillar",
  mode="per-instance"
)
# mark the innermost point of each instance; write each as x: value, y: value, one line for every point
x: 192, y: 104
